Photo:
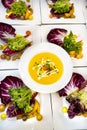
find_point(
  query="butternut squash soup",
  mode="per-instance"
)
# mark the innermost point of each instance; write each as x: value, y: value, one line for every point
x: 45, y: 68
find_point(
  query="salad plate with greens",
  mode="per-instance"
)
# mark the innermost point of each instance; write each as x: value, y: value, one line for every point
x: 20, y: 11
x: 14, y: 40
x: 71, y: 38
x: 62, y: 11
x: 61, y: 8
x: 70, y: 104
x: 20, y: 107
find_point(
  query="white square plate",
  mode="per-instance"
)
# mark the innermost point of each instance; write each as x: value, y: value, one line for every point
x: 30, y: 124
x: 79, y: 15
x: 36, y: 9
x: 35, y: 37
x: 79, y: 30
x: 85, y: 9
x: 61, y: 121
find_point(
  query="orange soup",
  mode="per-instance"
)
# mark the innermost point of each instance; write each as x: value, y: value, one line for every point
x: 45, y: 68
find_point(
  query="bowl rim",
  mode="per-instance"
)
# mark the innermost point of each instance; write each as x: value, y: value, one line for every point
x: 39, y: 48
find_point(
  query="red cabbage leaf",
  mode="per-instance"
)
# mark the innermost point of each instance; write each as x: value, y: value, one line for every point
x: 75, y: 83
x: 9, y: 81
x: 56, y: 36
x: 78, y: 101
x: 74, y: 109
x: 13, y: 16
x: 6, y: 31
x: 75, y: 95
x: 54, y: 1
x: 12, y: 111
x: 7, y: 3
x: 57, y: 15
x: 8, y: 51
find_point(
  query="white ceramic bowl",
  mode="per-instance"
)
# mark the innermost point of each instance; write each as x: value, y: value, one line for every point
x: 45, y: 47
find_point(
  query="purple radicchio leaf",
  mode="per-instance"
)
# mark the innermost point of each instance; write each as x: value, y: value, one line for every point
x: 53, y: 1
x: 13, y: 16
x: 74, y: 84
x: 57, y: 15
x: 13, y: 112
x: 74, y: 109
x: 56, y: 36
x: 6, y: 83
x: 8, y: 51
x: 7, y: 3
x: 6, y: 31
x: 84, y: 85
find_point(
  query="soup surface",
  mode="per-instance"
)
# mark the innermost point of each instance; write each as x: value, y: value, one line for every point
x: 45, y: 68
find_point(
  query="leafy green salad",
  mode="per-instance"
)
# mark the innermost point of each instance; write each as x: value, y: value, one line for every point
x: 18, y: 9
x: 21, y: 98
x: 61, y: 6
